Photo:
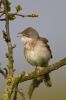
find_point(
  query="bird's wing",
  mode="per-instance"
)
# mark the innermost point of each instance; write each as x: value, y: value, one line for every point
x: 49, y: 50
x: 45, y: 41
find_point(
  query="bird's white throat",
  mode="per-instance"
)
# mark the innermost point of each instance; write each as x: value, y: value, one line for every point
x: 25, y: 39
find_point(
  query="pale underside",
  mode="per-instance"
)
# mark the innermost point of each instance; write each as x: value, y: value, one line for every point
x: 37, y: 54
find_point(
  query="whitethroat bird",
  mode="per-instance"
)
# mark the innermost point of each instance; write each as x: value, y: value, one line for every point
x: 36, y: 50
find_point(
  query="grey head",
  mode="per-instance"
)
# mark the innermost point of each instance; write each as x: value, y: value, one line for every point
x: 30, y: 32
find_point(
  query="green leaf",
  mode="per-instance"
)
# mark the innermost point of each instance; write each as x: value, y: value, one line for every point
x: 18, y: 8
x: 34, y: 15
x: 11, y: 16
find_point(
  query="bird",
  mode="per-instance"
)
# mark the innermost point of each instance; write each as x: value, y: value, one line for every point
x: 36, y: 50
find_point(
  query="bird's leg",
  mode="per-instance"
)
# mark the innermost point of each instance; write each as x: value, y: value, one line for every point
x: 38, y: 68
x: 35, y: 69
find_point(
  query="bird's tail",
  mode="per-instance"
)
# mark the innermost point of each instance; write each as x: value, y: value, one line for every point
x: 47, y: 80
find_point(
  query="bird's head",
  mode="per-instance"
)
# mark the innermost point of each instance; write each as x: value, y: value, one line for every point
x: 28, y: 35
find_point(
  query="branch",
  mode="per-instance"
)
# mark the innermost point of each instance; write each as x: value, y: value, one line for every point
x: 22, y: 15
x: 22, y: 94
x: 50, y: 68
x: 12, y: 81
x: 15, y: 92
x: 6, y: 36
x: 35, y: 83
x: 33, y: 75
x: 11, y: 85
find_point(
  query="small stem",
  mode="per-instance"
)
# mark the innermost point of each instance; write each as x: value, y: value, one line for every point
x: 10, y: 49
x: 21, y: 15
x: 23, y: 95
x: 15, y: 92
x: 35, y: 83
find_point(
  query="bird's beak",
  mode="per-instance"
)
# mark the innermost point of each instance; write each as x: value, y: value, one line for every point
x: 19, y: 35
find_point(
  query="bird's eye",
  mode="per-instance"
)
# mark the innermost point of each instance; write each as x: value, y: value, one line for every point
x: 27, y: 35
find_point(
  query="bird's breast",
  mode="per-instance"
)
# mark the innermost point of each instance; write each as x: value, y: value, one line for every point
x: 37, y: 56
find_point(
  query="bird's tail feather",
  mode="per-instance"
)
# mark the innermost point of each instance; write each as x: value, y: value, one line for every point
x: 47, y: 80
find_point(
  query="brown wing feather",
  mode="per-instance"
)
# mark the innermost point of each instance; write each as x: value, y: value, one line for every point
x: 49, y: 49
x: 45, y: 40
